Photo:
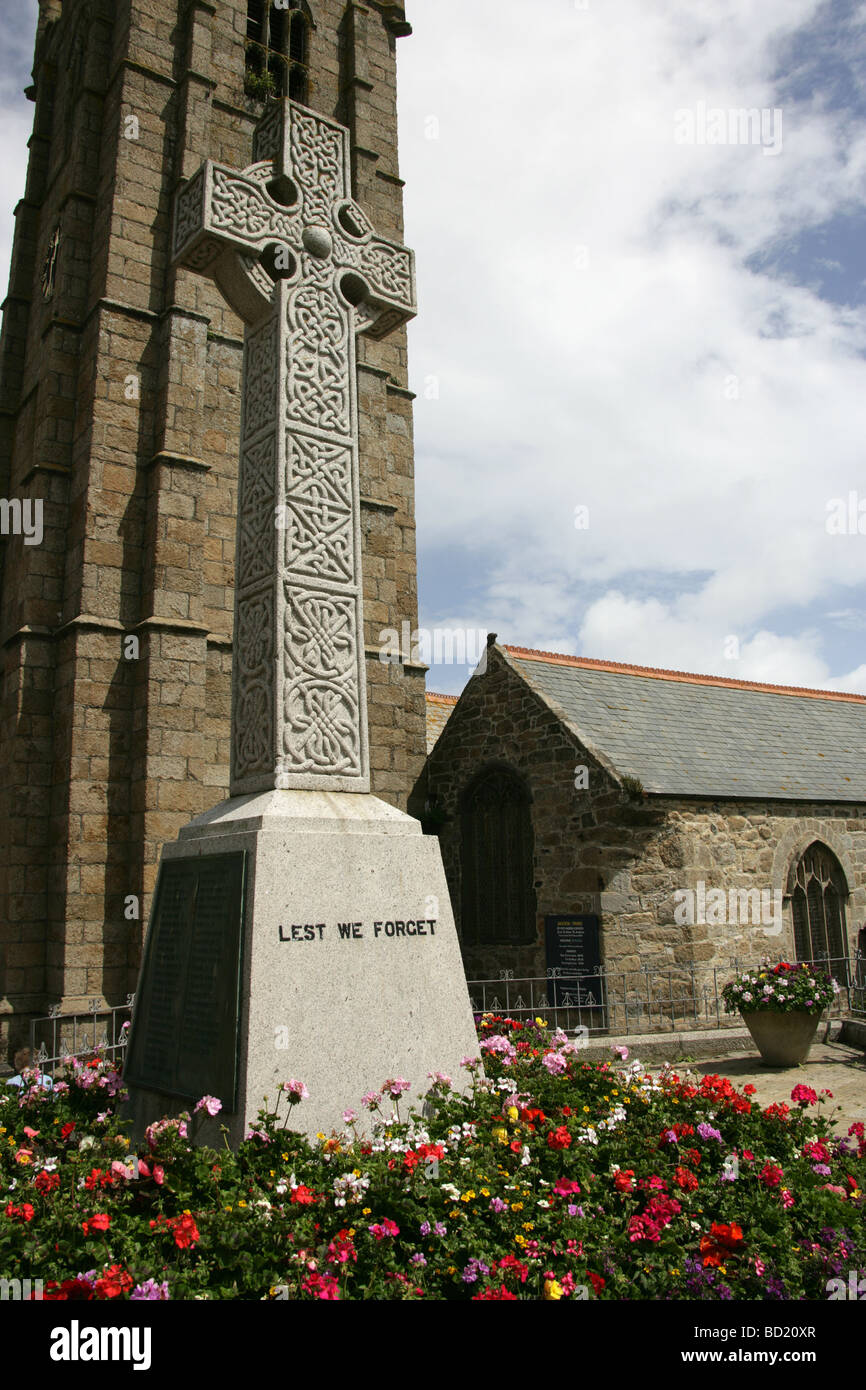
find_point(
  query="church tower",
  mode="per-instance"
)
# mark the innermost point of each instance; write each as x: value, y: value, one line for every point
x: 119, y: 434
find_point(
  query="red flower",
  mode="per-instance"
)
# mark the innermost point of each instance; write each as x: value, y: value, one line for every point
x: 185, y: 1231
x: 596, y: 1281
x: 303, y: 1196
x: 624, y: 1181
x: 114, y: 1282
x: 730, y: 1236
x: 685, y: 1179
x: 67, y: 1129
x: 46, y: 1182
x: 100, y: 1222
x: 512, y: 1262
x: 23, y: 1213
x: 73, y: 1290
x: 559, y: 1138
x: 491, y: 1293
x: 771, y: 1174
x: 749, y: 1089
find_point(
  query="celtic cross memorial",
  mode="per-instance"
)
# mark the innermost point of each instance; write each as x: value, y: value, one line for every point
x: 303, y: 909
x: 298, y: 260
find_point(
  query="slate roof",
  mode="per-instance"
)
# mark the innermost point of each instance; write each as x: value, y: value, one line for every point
x: 439, y: 709
x: 692, y: 735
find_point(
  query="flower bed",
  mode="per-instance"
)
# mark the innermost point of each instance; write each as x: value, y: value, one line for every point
x: 550, y: 1178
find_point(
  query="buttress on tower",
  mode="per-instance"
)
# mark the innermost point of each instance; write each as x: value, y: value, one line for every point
x: 120, y: 400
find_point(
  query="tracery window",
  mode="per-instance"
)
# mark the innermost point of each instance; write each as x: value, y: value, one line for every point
x: 818, y: 895
x: 496, y: 853
x: 278, y: 49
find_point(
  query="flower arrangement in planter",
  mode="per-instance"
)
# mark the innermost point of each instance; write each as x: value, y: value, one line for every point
x: 781, y: 1006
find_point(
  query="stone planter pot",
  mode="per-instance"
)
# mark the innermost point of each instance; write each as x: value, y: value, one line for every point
x: 783, y: 1040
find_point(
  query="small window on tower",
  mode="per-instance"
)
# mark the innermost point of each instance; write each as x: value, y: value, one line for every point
x: 277, y: 62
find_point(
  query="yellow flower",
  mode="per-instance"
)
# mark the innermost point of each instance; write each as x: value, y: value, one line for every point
x: 285, y: 1158
x: 365, y: 1211
x: 542, y: 1022
x: 455, y: 1212
x: 351, y: 1232
x: 517, y: 1206
x: 228, y: 1208
x: 552, y: 1289
x: 501, y: 1135
x: 528, y: 1226
x: 586, y: 1110
x: 240, y: 1204
x: 468, y: 1196
x: 520, y: 1240
x: 273, y: 1173
x: 513, y: 1113
x: 485, y: 1192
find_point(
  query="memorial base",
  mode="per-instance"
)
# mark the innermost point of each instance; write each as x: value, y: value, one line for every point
x: 319, y: 927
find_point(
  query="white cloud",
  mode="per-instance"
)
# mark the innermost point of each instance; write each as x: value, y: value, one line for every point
x: 600, y: 339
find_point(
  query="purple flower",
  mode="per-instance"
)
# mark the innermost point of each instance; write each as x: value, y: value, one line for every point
x: 473, y: 1269
x: 497, y: 1204
x: 419, y: 1260
x: 426, y: 1228
x: 439, y: 1229
x: 821, y: 1169
x: 707, y: 1132
x: 149, y: 1291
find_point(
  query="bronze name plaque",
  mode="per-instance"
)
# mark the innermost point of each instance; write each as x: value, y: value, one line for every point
x: 184, y: 1037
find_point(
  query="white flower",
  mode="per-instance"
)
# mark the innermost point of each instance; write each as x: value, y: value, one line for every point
x: 450, y: 1190
x: 525, y: 1157
x: 543, y: 1204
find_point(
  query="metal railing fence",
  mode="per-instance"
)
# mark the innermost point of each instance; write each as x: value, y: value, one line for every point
x: 678, y: 998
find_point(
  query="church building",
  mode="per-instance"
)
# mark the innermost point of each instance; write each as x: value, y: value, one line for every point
x: 688, y: 819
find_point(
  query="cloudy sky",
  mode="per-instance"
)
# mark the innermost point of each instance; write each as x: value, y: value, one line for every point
x: 640, y: 353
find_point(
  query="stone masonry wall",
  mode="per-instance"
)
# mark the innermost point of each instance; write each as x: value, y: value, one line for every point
x: 120, y: 409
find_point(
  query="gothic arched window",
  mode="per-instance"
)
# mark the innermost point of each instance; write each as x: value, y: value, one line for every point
x: 278, y: 49
x: 818, y: 893
x: 496, y: 854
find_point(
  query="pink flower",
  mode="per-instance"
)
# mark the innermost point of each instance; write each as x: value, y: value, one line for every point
x: 787, y: 1197
x: 210, y: 1104
x: 804, y: 1095
x: 31, y: 1133
x: 395, y: 1088
x: 565, y: 1186
x: 386, y: 1228
x: 759, y: 1266
x: 622, y: 1053
x: 554, y: 1063
x: 349, y: 1117
x: 295, y: 1091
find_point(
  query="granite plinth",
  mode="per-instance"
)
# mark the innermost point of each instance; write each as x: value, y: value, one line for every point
x: 350, y: 971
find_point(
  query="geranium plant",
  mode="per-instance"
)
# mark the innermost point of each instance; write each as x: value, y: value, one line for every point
x: 784, y: 988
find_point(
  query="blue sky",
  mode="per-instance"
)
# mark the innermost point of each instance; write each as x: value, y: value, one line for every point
x: 668, y: 333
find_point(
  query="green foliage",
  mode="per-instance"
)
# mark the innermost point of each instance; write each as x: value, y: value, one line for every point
x: 259, y: 85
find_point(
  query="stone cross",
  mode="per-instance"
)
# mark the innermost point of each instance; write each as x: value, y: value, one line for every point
x: 299, y: 261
